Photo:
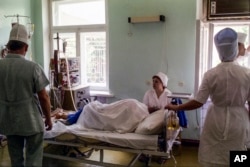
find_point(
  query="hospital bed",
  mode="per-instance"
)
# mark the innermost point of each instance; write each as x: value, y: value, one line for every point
x: 86, y: 142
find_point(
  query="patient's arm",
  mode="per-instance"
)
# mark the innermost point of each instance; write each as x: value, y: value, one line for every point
x: 152, y: 109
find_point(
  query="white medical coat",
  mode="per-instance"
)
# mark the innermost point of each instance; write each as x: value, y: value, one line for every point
x: 151, y: 100
x: 227, y: 121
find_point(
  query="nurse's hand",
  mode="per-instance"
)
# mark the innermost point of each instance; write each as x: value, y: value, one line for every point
x: 171, y: 107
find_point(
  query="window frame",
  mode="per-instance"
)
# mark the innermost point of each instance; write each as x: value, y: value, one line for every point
x: 78, y: 29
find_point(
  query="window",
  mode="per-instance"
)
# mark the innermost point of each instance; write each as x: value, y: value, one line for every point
x: 208, y: 56
x: 79, y: 30
x: 78, y: 12
x: 93, y: 46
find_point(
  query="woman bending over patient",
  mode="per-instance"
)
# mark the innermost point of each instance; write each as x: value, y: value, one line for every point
x: 157, y: 98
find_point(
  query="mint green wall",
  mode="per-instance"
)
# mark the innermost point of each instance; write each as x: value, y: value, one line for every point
x: 37, y: 39
x: 136, y: 51
x: 13, y: 7
x: 31, y: 8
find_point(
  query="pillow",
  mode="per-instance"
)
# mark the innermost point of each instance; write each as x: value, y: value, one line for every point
x: 152, y: 124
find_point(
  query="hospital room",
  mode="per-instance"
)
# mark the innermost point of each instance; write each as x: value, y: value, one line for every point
x: 165, y: 83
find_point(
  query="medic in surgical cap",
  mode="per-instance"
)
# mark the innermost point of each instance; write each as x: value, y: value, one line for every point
x: 227, y: 44
x: 226, y: 89
x: 241, y: 44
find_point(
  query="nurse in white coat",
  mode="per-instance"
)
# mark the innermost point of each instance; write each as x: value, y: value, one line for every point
x: 227, y: 121
x: 243, y: 52
x: 157, y: 97
x: 241, y: 43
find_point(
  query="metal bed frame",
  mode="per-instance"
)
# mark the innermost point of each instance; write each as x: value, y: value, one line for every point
x: 164, y: 150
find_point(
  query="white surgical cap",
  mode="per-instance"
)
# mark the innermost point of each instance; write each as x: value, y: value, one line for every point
x: 163, y: 77
x: 242, y: 37
x: 19, y: 33
x: 226, y: 43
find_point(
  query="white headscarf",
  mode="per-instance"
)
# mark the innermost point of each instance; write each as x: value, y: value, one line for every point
x: 226, y: 43
x: 163, y: 77
x: 241, y: 37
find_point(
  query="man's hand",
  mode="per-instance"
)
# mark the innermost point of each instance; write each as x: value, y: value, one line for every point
x: 48, y: 124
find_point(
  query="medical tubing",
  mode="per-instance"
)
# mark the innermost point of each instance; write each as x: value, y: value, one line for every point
x: 68, y: 79
x: 55, y: 94
x: 69, y: 82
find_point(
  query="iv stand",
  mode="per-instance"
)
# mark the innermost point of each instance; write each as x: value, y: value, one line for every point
x: 30, y: 25
x: 17, y: 16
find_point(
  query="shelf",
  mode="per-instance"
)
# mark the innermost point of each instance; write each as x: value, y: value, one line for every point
x: 181, y: 95
x: 160, y: 18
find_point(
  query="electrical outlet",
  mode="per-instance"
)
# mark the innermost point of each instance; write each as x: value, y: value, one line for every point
x: 180, y: 83
x: 148, y: 83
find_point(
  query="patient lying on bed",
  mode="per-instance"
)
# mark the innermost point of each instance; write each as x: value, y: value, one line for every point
x: 120, y: 116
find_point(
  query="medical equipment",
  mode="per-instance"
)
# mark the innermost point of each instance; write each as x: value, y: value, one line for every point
x: 75, y: 97
x: 29, y: 25
x: 66, y: 90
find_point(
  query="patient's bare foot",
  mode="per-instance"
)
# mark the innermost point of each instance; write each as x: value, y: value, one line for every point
x: 61, y: 115
x: 58, y: 115
x: 57, y: 110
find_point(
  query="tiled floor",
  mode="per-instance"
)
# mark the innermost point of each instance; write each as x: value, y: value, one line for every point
x: 186, y: 158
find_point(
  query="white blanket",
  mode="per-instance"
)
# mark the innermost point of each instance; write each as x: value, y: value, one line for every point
x: 121, y: 116
x: 113, y: 123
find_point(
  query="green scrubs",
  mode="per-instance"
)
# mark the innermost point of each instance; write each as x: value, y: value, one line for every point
x: 20, y: 111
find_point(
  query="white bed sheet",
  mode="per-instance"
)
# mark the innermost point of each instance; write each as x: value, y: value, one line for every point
x: 131, y: 140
